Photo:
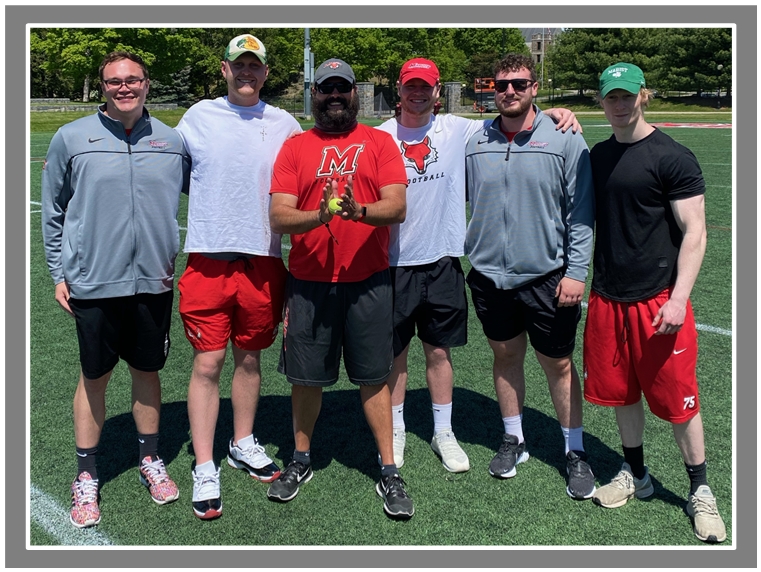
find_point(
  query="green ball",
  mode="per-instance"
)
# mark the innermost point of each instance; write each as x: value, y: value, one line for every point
x: 334, y: 206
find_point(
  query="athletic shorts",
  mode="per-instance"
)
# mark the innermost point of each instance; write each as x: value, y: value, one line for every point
x: 432, y: 298
x: 505, y: 314
x: 133, y: 328
x: 239, y: 300
x: 324, y: 319
x: 623, y: 358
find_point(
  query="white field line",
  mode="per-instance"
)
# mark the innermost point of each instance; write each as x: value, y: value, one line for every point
x: 54, y: 519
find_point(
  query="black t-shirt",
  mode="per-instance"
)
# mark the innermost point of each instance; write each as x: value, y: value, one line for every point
x: 637, y: 238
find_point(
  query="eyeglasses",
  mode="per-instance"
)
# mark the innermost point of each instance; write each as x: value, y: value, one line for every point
x: 500, y: 86
x: 342, y: 87
x: 117, y: 83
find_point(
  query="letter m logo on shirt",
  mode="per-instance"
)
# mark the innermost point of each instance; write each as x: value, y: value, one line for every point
x: 335, y: 162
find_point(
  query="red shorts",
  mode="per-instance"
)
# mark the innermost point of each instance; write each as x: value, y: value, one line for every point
x: 623, y: 358
x: 239, y: 300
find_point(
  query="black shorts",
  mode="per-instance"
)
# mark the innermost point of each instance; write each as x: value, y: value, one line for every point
x: 432, y: 298
x: 505, y: 314
x: 322, y: 319
x: 134, y: 328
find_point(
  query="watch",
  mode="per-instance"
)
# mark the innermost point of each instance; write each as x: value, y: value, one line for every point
x: 363, y: 213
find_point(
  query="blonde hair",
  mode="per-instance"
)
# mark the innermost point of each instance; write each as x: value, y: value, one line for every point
x: 645, y: 94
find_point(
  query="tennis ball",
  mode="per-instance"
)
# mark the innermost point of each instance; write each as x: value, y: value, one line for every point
x: 334, y: 206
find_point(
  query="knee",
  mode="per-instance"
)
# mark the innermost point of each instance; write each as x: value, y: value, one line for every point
x: 207, y: 368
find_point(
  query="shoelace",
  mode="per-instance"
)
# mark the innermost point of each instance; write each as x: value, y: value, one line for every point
x: 155, y: 471
x: 705, y: 506
x: 507, y: 448
x: 395, y: 486
x: 623, y: 480
x: 86, y: 491
x: 292, y: 472
x: 447, y: 442
x: 253, y: 450
x: 206, y: 483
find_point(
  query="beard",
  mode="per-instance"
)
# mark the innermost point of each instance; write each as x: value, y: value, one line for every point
x: 525, y: 105
x: 336, y: 120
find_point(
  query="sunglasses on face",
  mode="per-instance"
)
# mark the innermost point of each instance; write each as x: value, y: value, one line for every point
x: 342, y: 87
x: 500, y: 85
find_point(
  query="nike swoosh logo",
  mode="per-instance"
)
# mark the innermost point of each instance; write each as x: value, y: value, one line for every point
x: 677, y: 352
x: 94, y: 140
x: 81, y: 455
x: 141, y: 441
x: 479, y: 142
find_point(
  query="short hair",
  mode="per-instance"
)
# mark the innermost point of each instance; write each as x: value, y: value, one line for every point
x: 645, y: 94
x: 514, y: 62
x: 122, y: 55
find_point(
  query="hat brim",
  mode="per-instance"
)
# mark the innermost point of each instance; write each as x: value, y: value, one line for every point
x: 339, y: 75
x: 629, y: 86
x: 232, y: 58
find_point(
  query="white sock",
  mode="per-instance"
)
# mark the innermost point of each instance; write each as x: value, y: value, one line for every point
x: 207, y: 468
x: 574, y: 438
x: 442, y: 417
x: 245, y: 442
x: 397, y: 416
x: 514, y: 426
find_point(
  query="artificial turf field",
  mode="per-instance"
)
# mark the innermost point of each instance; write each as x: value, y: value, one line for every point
x: 339, y: 506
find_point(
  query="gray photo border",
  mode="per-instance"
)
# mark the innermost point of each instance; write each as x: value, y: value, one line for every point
x: 745, y: 528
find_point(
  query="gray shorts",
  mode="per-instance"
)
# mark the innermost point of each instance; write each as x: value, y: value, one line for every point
x: 322, y: 320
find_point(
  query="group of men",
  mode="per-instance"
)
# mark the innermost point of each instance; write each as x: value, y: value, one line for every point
x: 366, y: 273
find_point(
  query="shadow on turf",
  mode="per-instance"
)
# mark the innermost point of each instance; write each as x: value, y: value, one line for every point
x: 342, y: 434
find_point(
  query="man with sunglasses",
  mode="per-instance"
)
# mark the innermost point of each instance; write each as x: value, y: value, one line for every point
x: 232, y: 289
x: 428, y: 281
x: 530, y: 243
x: 111, y: 185
x: 338, y: 297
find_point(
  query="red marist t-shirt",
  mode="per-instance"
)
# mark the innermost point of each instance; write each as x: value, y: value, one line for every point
x: 303, y: 166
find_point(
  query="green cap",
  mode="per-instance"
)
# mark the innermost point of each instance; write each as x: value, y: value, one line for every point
x: 621, y: 76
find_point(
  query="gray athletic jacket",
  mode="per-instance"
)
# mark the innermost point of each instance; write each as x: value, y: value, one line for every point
x: 531, y: 202
x: 109, y: 206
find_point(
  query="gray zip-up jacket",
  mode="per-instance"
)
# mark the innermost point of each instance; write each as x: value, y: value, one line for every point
x: 531, y: 202
x: 109, y: 206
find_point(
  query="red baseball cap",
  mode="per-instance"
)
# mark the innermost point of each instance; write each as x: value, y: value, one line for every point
x: 419, y: 68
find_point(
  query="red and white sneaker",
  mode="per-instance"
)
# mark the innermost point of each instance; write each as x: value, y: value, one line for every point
x: 154, y: 476
x: 84, y: 501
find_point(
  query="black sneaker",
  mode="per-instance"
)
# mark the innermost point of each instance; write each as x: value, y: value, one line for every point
x: 286, y: 486
x: 398, y: 504
x: 581, y: 480
x: 510, y: 454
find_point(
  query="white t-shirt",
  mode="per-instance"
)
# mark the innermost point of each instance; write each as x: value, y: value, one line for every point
x: 434, y: 156
x: 233, y: 150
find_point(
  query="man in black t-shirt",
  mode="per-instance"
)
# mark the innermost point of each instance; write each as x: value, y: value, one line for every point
x: 640, y: 335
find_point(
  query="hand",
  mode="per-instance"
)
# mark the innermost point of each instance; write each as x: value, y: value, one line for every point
x: 564, y: 118
x: 329, y: 191
x: 670, y: 318
x: 352, y: 210
x: 569, y: 292
x: 62, y: 296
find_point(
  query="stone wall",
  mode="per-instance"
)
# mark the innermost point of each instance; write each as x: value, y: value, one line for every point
x: 74, y: 107
x: 366, y: 93
x: 453, y: 96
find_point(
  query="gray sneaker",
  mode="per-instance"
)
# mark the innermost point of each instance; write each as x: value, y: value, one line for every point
x: 454, y: 459
x: 581, y: 479
x: 623, y: 487
x: 397, y: 503
x: 510, y: 454
x: 286, y: 486
x: 706, y: 522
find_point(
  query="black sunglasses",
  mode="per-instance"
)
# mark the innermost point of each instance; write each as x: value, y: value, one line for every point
x: 500, y: 86
x: 342, y: 87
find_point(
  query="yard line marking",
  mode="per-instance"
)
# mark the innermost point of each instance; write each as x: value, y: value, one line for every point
x: 32, y: 212
x: 701, y: 327
x: 54, y: 519
x: 36, y: 203
x: 721, y: 164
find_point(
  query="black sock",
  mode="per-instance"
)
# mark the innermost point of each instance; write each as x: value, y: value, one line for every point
x: 149, y: 446
x: 697, y: 474
x: 86, y: 461
x: 635, y: 456
x: 389, y: 470
x: 302, y: 457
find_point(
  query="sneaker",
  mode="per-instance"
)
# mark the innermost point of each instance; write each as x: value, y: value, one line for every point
x: 286, y: 486
x: 400, y: 439
x: 207, y: 497
x: 84, y: 501
x: 623, y: 487
x: 249, y: 455
x: 397, y: 503
x: 706, y: 522
x: 510, y: 454
x: 154, y: 476
x: 581, y: 480
x: 445, y: 445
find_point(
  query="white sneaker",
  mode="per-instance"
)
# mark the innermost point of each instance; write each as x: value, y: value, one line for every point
x: 706, y: 521
x: 454, y: 459
x: 207, y: 498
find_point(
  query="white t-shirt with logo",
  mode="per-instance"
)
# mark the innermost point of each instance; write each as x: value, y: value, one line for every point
x: 233, y: 150
x: 434, y: 157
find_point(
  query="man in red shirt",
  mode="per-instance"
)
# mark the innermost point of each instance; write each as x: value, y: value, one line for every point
x: 338, y: 295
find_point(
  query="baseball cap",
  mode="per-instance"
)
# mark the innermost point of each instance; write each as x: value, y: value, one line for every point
x: 621, y: 76
x: 419, y: 68
x: 246, y: 43
x: 333, y: 68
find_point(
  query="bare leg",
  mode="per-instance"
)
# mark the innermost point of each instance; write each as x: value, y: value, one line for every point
x: 689, y: 438
x: 306, y: 403
x: 397, y: 379
x: 439, y: 373
x: 89, y: 410
x: 565, y: 389
x: 631, y: 424
x: 146, y: 400
x: 509, y: 378
x: 247, y: 380
x: 376, y: 402
x: 203, y: 402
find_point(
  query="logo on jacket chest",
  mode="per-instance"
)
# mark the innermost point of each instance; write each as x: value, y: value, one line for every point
x: 419, y: 155
x: 339, y: 162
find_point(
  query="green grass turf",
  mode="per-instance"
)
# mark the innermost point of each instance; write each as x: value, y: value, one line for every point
x: 339, y: 506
